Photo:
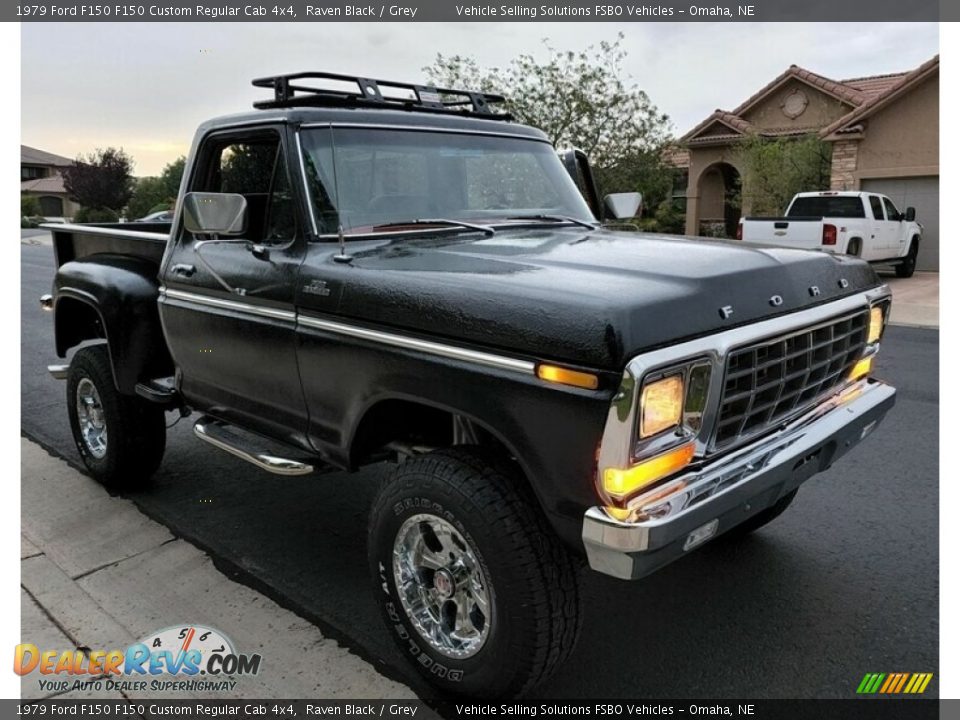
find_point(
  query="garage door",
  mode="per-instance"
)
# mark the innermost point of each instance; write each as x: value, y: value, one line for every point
x: 923, y: 193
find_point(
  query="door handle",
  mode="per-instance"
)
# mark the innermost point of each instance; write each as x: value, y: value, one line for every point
x: 183, y: 270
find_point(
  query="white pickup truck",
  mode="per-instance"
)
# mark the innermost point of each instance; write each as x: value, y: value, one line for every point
x: 866, y: 225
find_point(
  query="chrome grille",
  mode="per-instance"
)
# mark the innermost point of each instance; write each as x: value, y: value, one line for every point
x: 768, y: 382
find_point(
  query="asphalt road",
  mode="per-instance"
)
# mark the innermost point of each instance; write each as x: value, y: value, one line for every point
x: 844, y: 583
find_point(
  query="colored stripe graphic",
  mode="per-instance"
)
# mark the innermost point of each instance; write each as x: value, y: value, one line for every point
x: 891, y: 682
x: 894, y: 683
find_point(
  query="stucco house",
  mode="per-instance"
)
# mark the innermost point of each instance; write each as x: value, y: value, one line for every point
x: 40, y: 176
x: 884, y: 132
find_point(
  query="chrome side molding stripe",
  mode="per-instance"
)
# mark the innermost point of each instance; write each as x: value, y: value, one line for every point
x: 406, y: 342
x: 221, y: 304
x: 425, y: 346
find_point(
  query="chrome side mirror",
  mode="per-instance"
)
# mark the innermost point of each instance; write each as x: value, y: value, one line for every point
x: 206, y: 213
x: 623, y: 206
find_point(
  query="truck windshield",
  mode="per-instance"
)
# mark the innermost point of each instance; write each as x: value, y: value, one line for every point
x: 835, y: 206
x: 365, y: 178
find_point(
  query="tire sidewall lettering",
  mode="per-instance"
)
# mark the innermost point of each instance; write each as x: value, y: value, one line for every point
x: 396, y: 617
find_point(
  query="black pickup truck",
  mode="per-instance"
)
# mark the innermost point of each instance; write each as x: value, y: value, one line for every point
x: 401, y: 273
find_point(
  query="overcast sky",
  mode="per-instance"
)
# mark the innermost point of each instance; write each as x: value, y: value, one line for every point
x: 145, y: 87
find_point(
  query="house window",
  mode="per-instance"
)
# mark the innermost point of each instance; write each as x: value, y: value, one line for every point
x: 30, y: 172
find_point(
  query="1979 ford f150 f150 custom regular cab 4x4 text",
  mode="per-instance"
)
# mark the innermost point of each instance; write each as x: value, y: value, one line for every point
x: 352, y: 278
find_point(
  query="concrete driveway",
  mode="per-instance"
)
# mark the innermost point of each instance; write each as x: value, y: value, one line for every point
x: 916, y: 300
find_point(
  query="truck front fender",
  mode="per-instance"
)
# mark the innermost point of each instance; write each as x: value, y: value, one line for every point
x: 113, y: 297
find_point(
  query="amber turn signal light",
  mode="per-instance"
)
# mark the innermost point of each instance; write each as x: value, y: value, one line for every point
x: 863, y: 367
x: 876, y: 324
x: 566, y: 376
x: 619, y: 483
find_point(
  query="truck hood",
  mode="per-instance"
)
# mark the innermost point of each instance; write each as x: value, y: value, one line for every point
x: 594, y: 299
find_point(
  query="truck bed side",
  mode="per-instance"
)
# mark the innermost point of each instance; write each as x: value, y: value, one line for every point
x: 143, y: 240
x: 106, y: 288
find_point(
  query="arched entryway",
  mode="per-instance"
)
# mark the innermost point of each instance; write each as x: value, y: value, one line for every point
x: 718, y: 190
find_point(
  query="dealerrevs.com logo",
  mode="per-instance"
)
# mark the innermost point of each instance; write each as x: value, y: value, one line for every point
x: 182, y: 658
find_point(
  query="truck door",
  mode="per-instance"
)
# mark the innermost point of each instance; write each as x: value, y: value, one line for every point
x: 228, y: 310
x: 894, y: 230
x: 874, y: 244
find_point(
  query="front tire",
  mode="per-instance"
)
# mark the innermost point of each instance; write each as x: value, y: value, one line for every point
x: 909, y: 264
x: 474, y: 586
x: 121, y: 438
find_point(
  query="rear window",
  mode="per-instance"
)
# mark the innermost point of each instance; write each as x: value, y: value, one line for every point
x: 827, y: 206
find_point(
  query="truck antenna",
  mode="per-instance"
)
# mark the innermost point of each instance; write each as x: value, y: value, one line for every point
x: 341, y: 257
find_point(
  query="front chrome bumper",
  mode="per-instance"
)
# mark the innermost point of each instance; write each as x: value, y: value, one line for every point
x: 732, y: 488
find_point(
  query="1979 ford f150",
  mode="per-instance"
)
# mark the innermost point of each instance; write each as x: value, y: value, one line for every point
x: 352, y: 277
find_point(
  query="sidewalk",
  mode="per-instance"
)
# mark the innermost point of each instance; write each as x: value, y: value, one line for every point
x: 916, y: 300
x: 96, y: 574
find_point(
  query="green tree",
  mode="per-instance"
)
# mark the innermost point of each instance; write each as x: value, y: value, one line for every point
x: 775, y: 170
x: 149, y: 193
x: 156, y: 193
x: 102, y: 180
x: 29, y: 206
x: 171, y: 176
x: 579, y: 99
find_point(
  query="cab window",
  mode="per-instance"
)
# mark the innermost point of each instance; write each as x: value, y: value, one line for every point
x: 877, y: 207
x: 256, y: 168
x: 892, y: 213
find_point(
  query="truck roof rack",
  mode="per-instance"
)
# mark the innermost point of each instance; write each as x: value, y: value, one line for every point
x: 369, y: 93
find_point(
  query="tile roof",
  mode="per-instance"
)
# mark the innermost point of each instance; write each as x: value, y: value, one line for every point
x: 874, y: 85
x: 676, y: 156
x: 735, y: 123
x: 847, y: 94
x: 51, y: 184
x: 708, y: 139
x: 849, y: 122
x: 33, y: 156
x: 862, y: 95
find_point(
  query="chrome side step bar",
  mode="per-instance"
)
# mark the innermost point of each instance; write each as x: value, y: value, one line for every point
x: 228, y: 438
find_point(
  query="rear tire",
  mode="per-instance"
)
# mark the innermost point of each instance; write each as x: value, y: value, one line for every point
x: 853, y: 249
x: 121, y: 438
x: 475, y: 587
x: 908, y: 265
x: 764, y: 517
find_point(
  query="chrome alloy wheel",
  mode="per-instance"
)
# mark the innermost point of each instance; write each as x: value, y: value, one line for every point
x: 93, y: 427
x: 442, y: 586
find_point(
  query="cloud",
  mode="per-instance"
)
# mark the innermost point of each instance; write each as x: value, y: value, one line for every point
x: 146, y: 86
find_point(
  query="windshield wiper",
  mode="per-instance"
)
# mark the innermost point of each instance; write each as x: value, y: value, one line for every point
x: 473, y: 227
x: 555, y: 218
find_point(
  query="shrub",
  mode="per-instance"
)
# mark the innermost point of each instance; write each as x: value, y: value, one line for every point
x: 94, y: 215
